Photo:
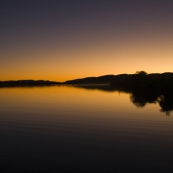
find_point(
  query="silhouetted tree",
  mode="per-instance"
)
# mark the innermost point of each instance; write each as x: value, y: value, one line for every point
x: 141, y: 73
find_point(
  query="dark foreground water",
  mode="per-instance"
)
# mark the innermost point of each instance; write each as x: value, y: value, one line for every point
x: 67, y: 129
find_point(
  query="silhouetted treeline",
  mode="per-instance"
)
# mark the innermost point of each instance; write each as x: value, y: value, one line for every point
x: 132, y: 82
x: 143, y: 82
x: 27, y: 83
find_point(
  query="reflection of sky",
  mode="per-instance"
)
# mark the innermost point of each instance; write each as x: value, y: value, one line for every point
x: 56, y: 105
x: 61, y: 40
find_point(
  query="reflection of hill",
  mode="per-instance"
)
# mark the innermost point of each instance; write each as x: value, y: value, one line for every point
x: 141, y: 99
x: 27, y: 83
x: 101, y: 87
x: 165, y: 100
x: 166, y: 103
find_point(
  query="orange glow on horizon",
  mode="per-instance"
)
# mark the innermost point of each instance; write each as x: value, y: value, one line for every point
x: 152, y: 56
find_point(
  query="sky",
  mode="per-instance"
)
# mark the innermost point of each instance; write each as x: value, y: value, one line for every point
x: 66, y: 39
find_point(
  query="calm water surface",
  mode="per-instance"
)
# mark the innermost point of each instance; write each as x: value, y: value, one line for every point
x: 68, y: 129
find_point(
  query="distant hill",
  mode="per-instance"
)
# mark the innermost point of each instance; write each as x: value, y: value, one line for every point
x: 17, y: 83
x: 160, y: 83
x: 124, y: 79
x: 106, y: 79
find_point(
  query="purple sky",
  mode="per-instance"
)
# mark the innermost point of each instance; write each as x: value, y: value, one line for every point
x: 67, y: 39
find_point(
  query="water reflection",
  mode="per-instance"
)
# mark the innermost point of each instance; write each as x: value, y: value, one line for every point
x: 100, y: 87
x: 67, y: 129
x: 140, y: 98
x: 165, y: 101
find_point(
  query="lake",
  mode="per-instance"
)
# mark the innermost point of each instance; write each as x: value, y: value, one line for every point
x: 75, y: 129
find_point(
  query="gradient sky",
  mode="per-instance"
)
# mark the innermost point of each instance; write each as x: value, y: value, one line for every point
x: 66, y: 39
